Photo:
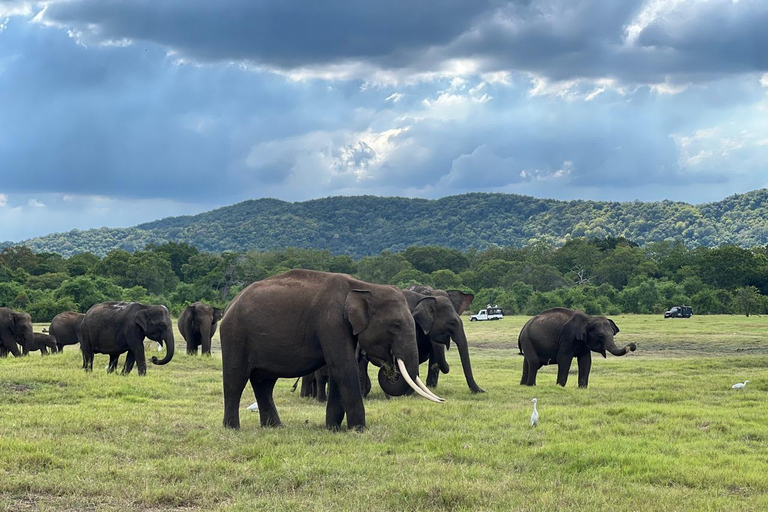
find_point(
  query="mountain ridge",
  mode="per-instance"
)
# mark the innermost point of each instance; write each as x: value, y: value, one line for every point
x: 366, y: 225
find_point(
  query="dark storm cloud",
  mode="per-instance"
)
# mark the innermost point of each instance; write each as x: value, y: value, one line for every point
x: 282, y: 34
x: 634, y: 41
x: 127, y: 122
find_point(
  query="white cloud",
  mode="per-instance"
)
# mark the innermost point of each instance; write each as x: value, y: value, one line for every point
x: 3, y: 200
x: 394, y: 97
x: 764, y: 80
x: 34, y: 203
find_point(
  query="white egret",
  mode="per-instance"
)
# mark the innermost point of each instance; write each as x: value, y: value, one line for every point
x: 253, y: 407
x: 535, y: 415
x: 739, y: 385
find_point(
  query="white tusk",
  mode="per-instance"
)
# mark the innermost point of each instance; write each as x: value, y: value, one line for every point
x: 404, y: 371
x: 426, y: 389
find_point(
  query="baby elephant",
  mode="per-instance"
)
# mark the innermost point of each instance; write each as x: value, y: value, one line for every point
x: 41, y: 342
x: 558, y: 335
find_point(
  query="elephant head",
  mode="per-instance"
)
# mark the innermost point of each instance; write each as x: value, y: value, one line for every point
x: 377, y: 316
x: 441, y: 322
x: 21, y: 326
x: 155, y: 321
x: 596, y: 332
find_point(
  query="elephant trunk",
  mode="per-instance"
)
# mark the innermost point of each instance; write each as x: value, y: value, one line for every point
x: 205, y: 338
x: 169, y: 347
x: 390, y: 378
x: 404, y: 376
x: 460, y: 338
x: 613, y: 349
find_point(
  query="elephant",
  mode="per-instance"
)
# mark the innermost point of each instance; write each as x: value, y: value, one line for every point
x: 117, y: 327
x: 15, y: 330
x: 436, y: 325
x: 64, y: 328
x: 197, y: 324
x: 291, y: 324
x: 41, y: 342
x: 558, y: 335
x: 314, y: 385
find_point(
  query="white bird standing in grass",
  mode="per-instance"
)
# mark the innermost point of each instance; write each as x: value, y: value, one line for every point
x: 535, y: 415
x: 253, y: 407
x: 740, y: 385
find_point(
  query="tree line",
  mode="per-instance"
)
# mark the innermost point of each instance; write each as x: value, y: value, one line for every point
x: 610, y: 275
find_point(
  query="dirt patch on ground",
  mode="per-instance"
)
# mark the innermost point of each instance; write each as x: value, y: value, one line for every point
x: 14, y: 387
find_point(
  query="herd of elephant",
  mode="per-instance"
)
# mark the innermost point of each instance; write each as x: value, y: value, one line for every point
x: 324, y: 326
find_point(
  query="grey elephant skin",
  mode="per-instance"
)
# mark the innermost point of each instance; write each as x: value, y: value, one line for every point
x: 315, y: 384
x: 41, y: 342
x: 15, y: 330
x: 115, y: 328
x: 197, y: 324
x: 558, y: 335
x: 292, y: 324
x: 438, y: 321
x: 64, y: 327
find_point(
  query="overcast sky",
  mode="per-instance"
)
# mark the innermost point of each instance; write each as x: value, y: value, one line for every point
x: 116, y: 112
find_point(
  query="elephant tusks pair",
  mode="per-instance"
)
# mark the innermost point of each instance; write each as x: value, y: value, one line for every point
x: 417, y: 386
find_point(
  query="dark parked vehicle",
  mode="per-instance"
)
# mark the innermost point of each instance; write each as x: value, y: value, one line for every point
x: 679, y: 312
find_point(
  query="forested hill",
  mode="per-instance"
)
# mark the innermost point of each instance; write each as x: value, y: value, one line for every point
x: 366, y: 225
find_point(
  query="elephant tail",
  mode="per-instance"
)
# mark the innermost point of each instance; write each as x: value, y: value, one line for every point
x: 295, y: 384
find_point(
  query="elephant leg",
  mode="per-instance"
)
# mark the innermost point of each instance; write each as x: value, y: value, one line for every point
x: 59, y: 348
x: 141, y: 360
x: 87, y: 358
x: 585, y: 365
x: 24, y: 351
x: 191, y: 349
x: 234, y: 383
x: 531, y: 365
x: 130, y: 359
x: 320, y: 382
x: 267, y: 410
x: 344, y: 397
x: 306, y: 385
x: 563, y: 367
x: 114, y: 359
x: 3, y: 352
x: 435, y: 365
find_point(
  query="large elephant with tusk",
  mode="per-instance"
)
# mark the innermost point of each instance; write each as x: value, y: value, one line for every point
x: 558, y: 335
x: 292, y: 324
x: 115, y: 328
x: 437, y: 323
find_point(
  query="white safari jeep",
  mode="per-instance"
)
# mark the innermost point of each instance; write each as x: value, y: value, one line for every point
x: 489, y: 313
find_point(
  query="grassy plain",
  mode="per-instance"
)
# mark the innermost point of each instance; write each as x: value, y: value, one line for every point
x: 659, y: 429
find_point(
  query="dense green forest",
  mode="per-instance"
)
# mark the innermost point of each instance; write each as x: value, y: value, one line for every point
x: 366, y: 225
x: 598, y: 275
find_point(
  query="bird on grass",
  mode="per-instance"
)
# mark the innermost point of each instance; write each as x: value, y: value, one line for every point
x: 535, y: 415
x: 740, y: 385
x: 253, y: 407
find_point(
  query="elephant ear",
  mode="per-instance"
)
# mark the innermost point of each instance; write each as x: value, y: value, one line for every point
x: 615, y: 327
x: 18, y: 318
x: 460, y: 300
x: 142, y: 319
x: 574, y: 330
x: 424, y: 313
x: 217, y: 314
x: 357, y: 310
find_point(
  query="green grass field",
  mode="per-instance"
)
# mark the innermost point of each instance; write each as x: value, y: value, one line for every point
x: 659, y: 429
